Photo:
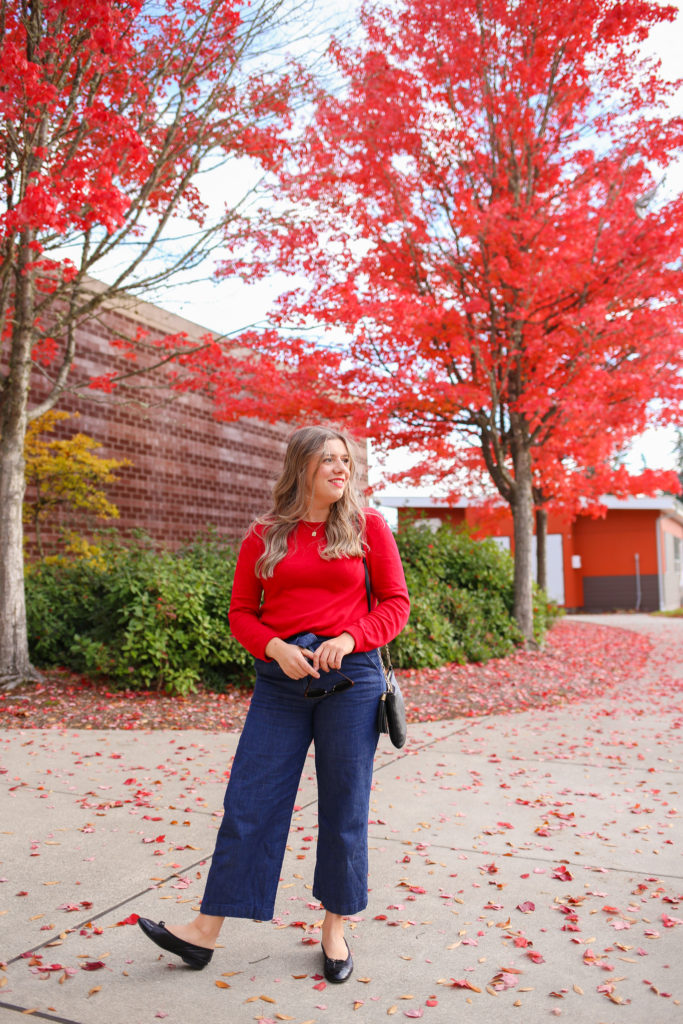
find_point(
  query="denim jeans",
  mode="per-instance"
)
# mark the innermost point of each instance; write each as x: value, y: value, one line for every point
x: 259, y: 800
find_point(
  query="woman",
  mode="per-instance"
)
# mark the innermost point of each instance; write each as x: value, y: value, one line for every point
x: 300, y: 606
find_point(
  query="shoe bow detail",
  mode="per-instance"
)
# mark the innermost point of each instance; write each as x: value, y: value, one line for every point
x: 337, y: 971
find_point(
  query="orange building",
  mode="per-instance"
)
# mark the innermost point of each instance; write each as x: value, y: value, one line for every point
x: 628, y: 559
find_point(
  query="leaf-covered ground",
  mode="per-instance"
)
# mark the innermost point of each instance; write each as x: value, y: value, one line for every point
x: 579, y: 661
x: 520, y: 862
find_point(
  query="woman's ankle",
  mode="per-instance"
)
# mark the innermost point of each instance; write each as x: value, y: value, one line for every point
x: 208, y: 926
x: 333, y: 939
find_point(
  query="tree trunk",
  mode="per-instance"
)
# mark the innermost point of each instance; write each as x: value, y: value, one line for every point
x: 542, y: 547
x: 15, y: 666
x: 522, y: 506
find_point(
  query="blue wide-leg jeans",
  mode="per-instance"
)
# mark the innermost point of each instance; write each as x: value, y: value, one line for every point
x: 259, y: 800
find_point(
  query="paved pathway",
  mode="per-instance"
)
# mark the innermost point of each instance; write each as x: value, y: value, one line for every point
x: 523, y: 866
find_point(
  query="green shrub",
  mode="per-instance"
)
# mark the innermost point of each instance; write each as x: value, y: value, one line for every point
x: 462, y: 596
x: 140, y: 618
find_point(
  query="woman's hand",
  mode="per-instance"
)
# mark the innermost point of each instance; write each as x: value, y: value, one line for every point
x: 330, y: 653
x: 297, y: 662
x: 291, y: 659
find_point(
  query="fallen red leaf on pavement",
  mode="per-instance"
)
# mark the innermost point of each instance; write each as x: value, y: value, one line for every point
x: 132, y: 919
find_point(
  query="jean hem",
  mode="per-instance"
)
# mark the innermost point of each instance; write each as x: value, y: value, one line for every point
x: 331, y: 909
x: 227, y: 910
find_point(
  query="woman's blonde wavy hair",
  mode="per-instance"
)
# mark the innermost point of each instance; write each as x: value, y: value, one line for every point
x: 345, y: 526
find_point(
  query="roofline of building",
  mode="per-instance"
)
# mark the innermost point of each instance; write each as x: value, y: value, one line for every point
x: 664, y: 503
x: 403, y: 501
x: 156, y: 317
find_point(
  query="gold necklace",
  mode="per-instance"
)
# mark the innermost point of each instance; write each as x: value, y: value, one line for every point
x: 314, y: 533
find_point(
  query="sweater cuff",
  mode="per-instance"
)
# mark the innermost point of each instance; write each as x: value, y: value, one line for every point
x: 356, y: 634
x: 262, y: 648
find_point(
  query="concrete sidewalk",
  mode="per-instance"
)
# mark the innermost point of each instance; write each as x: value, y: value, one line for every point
x: 523, y: 866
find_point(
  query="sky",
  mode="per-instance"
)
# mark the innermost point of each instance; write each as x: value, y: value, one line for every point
x: 230, y: 305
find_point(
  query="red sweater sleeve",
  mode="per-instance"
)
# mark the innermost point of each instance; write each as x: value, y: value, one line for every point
x: 245, y: 600
x: 388, y: 588
x: 310, y: 594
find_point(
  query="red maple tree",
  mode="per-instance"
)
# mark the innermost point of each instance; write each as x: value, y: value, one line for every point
x: 109, y: 110
x: 478, y: 209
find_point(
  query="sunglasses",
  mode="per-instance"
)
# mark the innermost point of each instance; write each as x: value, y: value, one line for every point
x: 337, y: 688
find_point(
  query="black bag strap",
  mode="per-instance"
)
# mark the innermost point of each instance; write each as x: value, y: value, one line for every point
x: 384, y: 652
x: 367, y: 582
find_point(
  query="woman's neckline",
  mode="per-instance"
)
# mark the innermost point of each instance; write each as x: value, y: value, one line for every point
x: 314, y: 526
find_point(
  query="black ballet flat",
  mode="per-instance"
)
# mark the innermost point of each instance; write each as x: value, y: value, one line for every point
x: 195, y: 957
x: 337, y: 971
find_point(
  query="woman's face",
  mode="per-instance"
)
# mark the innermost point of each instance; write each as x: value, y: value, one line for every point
x: 326, y: 478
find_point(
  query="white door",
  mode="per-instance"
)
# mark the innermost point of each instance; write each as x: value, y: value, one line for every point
x: 555, y: 566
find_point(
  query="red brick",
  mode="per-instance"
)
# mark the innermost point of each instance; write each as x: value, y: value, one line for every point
x: 188, y: 470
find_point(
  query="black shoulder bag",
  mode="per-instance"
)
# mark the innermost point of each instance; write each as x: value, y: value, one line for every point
x: 391, y: 716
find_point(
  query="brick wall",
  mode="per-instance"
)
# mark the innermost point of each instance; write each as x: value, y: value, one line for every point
x: 188, y: 470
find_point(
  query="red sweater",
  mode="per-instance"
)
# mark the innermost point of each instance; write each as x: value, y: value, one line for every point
x: 307, y: 594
